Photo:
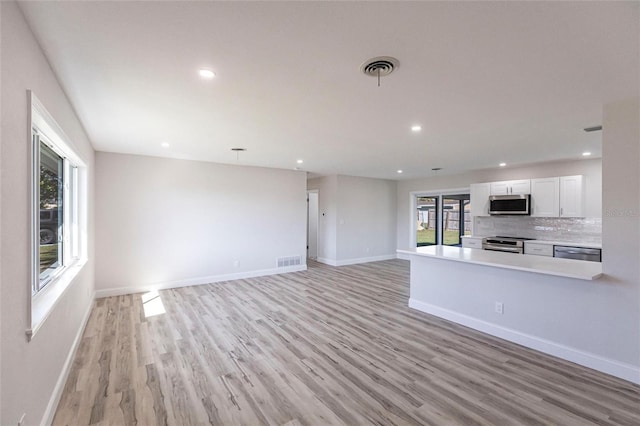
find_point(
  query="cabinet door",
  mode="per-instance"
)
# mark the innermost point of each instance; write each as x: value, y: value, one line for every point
x: 571, y: 196
x: 500, y: 188
x: 520, y: 186
x: 538, y: 249
x: 469, y: 242
x: 545, y: 197
x: 479, y: 193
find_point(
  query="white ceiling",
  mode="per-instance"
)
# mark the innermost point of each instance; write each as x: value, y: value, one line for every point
x: 488, y: 82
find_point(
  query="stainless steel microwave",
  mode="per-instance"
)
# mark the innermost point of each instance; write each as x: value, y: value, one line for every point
x: 510, y: 204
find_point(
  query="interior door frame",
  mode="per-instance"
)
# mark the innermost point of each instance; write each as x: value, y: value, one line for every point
x: 313, y: 191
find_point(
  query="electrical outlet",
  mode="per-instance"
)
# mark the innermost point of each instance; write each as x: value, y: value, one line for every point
x: 21, y: 421
x: 499, y: 308
x: 236, y: 263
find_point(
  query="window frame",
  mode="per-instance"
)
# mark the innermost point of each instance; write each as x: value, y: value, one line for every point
x: 43, y: 295
x: 440, y: 194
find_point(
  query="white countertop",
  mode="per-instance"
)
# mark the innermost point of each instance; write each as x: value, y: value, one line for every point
x: 569, y: 268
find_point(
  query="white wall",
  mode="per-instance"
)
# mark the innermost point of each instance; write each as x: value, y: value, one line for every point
x: 591, y: 169
x: 31, y: 370
x: 366, y: 219
x: 621, y: 229
x: 164, y: 222
x: 357, y: 219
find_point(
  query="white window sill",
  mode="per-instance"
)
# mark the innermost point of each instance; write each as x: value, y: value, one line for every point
x: 42, y: 304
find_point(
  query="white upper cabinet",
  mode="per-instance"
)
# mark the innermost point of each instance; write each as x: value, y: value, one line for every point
x: 511, y: 187
x: 572, y: 196
x: 499, y: 188
x: 479, y: 194
x: 545, y: 197
x: 521, y: 186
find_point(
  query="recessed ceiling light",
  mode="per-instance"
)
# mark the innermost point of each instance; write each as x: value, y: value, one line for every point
x: 416, y: 128
x: 586, y: 153
x: 502, y: 164
x: 165, y: 144
x: 299, y: 161
x: 208, y: 74
x: 399, y: 171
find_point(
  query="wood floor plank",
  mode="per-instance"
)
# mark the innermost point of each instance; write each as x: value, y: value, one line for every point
x: 320, y: 347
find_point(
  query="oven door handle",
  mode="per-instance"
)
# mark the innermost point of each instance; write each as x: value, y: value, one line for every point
x: 491, y: 247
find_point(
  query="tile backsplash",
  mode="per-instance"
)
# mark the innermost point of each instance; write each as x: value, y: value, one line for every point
x: 573, y: 230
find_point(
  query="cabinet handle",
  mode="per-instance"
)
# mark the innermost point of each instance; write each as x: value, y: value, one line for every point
x: 561, y: 211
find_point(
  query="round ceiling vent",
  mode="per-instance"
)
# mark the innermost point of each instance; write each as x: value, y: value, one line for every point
x: 380, y: 66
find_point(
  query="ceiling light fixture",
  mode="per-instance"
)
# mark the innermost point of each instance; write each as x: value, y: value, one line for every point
x: 165, y: 144
x: 586, y: 154
x: 502, y: 164
x: 208, y: 74
x: 378, y: 67
x: 416, y: 128
x: 399, y: 171
x: 299, y: 161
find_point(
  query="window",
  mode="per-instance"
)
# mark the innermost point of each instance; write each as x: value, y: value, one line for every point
x: 56, y: 193
x: 58, y: 204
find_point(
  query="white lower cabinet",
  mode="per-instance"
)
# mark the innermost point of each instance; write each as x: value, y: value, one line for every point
x: 472, y: 242
x: 538, y: 249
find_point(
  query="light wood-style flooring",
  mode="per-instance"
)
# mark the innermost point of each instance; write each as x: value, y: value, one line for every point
x: 324, y: 346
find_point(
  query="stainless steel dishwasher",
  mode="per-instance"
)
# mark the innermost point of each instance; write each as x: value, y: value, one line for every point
x: 579, y: 253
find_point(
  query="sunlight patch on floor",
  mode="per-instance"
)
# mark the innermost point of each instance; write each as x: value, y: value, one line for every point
x: 152, y: 304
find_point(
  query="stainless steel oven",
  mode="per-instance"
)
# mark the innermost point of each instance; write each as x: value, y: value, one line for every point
x: 505, y: 244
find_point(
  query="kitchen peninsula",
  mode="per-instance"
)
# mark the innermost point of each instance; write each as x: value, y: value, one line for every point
x: 537, y: 264
x: 544, y: 303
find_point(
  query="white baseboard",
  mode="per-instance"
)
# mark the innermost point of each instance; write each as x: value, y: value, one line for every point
x: 403, y: 256
x: 118, y: 291
x: 333, y: 262
x: 365, y: 259
x: 330, y: 262
x: 624, y: 371
x: 50, y: 411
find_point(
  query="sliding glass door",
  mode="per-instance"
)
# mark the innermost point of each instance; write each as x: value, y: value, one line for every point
x: 456, y: 220
x: 427, y: 221
x: 442, y: 219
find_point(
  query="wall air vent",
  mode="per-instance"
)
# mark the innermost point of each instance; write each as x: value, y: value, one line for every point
x: 285, y: 262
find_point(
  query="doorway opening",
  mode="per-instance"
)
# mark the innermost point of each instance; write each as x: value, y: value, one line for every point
x: 312, y: 224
